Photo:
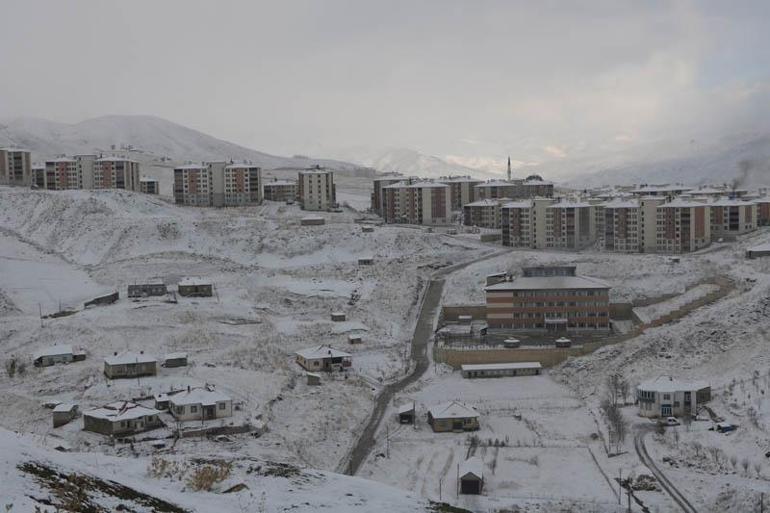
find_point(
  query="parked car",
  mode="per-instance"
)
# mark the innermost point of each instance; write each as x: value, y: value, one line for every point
x: 725, y: 427
x: 671, y: 421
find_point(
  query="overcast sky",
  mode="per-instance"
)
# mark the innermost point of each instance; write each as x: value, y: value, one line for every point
x: 472, y: 81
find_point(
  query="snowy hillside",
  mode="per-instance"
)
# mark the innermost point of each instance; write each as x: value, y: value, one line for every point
x: 147, y: 135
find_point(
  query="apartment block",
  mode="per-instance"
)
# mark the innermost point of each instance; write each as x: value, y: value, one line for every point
x: 523, y: 223
x: 86, y: 164
x: 495, y: 189
x: 622, y: 226
x: 15, y: 167
x: 243, y: 184
x: 570, y: 225
x: 683, y: 226
x: 378, y: 193
x: 422, y: 202
x: 60, y: 174
x: 731, y: 217
x: 38, y: 176
x: 316, y: 190
x: 280, y: 190
x: 461, y: 190
x: 149, y: 185
x: 192, y: 185
x: 763, y: 210
x: 483, y: 213
x: 116, y: 173
x: 535, y: 187
x: 549, y: 299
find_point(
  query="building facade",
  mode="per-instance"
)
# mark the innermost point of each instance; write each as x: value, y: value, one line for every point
x: 683, y: 226
x: 62, y: 173
x: 668, y: 397
x: 316, y: 189
x: 570, y: 225
x: 622, y: 226
x: 149, y: 185
x: 243, y: 185
x: 461, y: 190
x: 731, y: 217
x: 15, y: 167
x: 483, y: 213
x: 116, y: 173
x: 524, y: 223
x: 423, y: 202
x: 378, y: 194
x: 192, y: 185
x: 280, y: 190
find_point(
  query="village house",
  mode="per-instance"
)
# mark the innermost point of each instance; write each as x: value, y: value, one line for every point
x: 471, y: 475
x: 497, y: 370
x: 195, y: 287
x: 200, y: 403
x: 63, y: 413
x: 130, y: 365
x: 406, y: 413
x: 550, y: 298
x: 121, y: 418
x: 323, y: 358
x: 669, y: 397
x: 175, y: 360
x: 56, y: 354
x: 154, y: 287
x: 453, y: 416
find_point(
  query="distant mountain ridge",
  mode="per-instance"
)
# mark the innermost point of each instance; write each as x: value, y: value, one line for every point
x: 152, y: 138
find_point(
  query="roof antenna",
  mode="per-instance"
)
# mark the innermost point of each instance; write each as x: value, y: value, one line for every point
x: 509, y: 168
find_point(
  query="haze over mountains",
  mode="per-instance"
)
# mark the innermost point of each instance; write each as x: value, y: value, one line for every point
x: 157, y: 142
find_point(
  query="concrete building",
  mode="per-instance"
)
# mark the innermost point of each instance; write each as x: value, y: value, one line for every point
x: 683, y: 226
x: 15, y: 167
x: 622, y: 226
x: 461, y: 190
x: 172, y: 360
x: 86, y: 165
x: 732, y: 217
x: 417, y: 202
x: 242, y: 185
x: 761, y: 251
x: 648, y: 223
x: 149, y: 185
x: 154, y: 287
x: 323, y: 358
x: 669, y: 397
x: 664, y: 191
x: 316, y: 189
x: 763, y: 210
x: 453, y: 416
x: 523, y: 223
x: 200, y: 403
x: 116, y: 173
x: 64, y: 413
x: 195, y: 287
x: 53, y: 355
x: 570, y: 225
x: 38, y: 176
x: 62, y: 173
x: 130, y: 365
x: 192, y: 185
x: 498, y: 370
x: 535, y: 187
x: 494, y: 189
x: 484, y: 213
x: 280, y: 190
x: 121, y: 418
x: 378, y: 195
x: 549, y: 299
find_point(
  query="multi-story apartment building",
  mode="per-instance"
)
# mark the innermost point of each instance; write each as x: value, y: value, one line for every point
x: 483, y: 213
x: 61, y: 173
x: 461, y: 190
x: 523, y: 223
x: 622, y: 226
x: 648, y: 223
x: 683, y: 226
x: 731, y: 217
x: 665, y: 191
x: 763, y: 210
x: 549, y: 299
x: 378, y: 193
x: 535, y: 187
x: 316, y: 190
x: 280, y: 190
x: 15, y: 167
x: 421, y: 202
x: 116, y: 173
x: 495, y: 189
x: 243, y: 184
x: 149, y: 185
x: 570, y: 225
x: 192, y: 185
x: 85, y: 168
x: 38, y: 176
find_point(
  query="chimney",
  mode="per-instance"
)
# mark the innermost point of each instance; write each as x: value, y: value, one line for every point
x: 115, y: 353
x: 141, y: 352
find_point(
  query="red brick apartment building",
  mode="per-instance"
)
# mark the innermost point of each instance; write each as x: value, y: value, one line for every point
x: 422, y: 202
x: 683, y: 226
x: 461, y: 190
x: 192, y: 185
x: 549, y: 299
x: 116, y: 173
x: 60, y: 174
x: 763, y: 211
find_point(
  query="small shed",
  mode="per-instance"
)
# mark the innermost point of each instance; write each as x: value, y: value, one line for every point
x: 195, y: 287
x: 355, y: 338
x: 563, y: 342
x: 497, y: 370
x: 313, y: 379
x: 53, y: 355
x: 175, y: 360
x: 338, y: 316
x: 494, y: 279
x: 312, y: 221
x: 471, y: 476
x: 366, y: 261
x: 406, y: 413
x: 367, y: 229
x: 150, y: 288
x: 763, y: 250
x: 63, y: 413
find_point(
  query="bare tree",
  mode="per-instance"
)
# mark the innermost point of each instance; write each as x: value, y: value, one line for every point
x: 745, y: 465
x: 758, y: 468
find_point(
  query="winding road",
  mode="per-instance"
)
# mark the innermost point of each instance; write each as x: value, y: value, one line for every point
x: 665, y: 483
x: 419, y: 356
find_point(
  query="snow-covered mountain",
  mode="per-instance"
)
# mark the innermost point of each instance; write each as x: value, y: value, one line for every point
x: 150, y: 137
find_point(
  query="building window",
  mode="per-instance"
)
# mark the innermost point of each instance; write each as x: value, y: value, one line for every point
x: 179, y: 410
x: 222, y: 406
x: 193, y: 409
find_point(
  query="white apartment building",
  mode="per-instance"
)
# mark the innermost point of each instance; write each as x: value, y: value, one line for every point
x: 524, y: 223
x: 316, y: 190
x: 15, y: 167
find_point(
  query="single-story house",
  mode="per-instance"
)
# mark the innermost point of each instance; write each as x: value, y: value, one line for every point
x: 130, y: 365
x: 406, y: 413
x: 323, y: 358
x: 669, y: 397
x: 338, y: 316
x: 496, y: 370
x: 355, y: 338
x: 151, y: 288
x: 175, y: 360
x: 200, y: 403
x: 56, y: 354
x: 453, y: 416
x: 195, y: 287
x: 63, y: 413
x: 471, y: 476
x: 121, y: 418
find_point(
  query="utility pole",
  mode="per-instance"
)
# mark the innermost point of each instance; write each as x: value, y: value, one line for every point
x: 762, y: 502
x: 629, y: 499
x: 620, y: 485
x: 40, y: 308
x: 387, y: 441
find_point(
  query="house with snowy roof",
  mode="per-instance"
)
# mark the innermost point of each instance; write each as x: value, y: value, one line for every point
x: 130, y: 365
x: 121, y: 418
x: 323, y: 358
x: 199, y: 403
x: 453, y: 416
x: 668, y: 397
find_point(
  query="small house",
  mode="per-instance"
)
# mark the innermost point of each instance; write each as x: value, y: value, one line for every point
x: 453, y: 416
x: 200, y: 403
x: 669, y: 397
x: 312, y: 221
x: 313, y: 379
x: 471, y: 476
x: 355, y: 338
x: 366, y: 261
x: 195, y: 287
x: 54, y: 355
x: 151, y: 288
x: 497, y: 370
x: 175, y: 360
x: 406, y: 413
x: 130, y: 365
x: 563, y: 342
x: 64, y: 413
x: 323, y: 358
x: 367, y: 229
x: 338, y: 316
x: 121, y: 418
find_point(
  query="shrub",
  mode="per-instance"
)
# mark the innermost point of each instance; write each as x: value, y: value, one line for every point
x: 204, y: 478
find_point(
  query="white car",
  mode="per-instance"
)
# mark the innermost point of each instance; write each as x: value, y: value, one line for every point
x: 671, y: 421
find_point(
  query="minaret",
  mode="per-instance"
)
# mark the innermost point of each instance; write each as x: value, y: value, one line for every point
x: 509, y: 168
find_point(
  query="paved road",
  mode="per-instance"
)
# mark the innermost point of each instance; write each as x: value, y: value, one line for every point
x: 419, y: 356
x: 665, y: 483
